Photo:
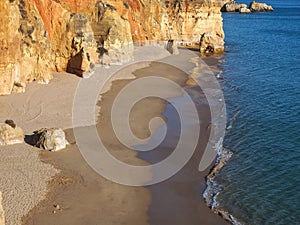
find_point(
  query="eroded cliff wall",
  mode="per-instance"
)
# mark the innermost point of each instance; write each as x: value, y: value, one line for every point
x: 38, y: 37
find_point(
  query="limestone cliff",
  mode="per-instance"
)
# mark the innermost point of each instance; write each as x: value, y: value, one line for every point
x: 38, y: 37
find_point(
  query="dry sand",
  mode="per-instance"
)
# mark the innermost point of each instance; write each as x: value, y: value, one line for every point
x: 23, y: 177
x: 83, y: 196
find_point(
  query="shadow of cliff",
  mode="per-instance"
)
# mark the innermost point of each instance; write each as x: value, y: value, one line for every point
x: 74, y: 65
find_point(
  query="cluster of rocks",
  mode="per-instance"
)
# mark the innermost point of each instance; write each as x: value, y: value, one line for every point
x: 233, y: 6
x: 260, y: 7
x: 52, y: 139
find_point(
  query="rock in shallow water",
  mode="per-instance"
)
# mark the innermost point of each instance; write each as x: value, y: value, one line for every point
x: 244, y: 10
x: 211, y: 42
x: 53, y: 139
x: 10, y: 134
x: 233, y: 7
x: 260, y: 7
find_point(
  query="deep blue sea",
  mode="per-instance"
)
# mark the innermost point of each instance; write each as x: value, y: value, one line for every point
x: 261, y: 183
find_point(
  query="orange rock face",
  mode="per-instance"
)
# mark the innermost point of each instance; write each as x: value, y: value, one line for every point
x: 38, y: 37
x: 25, y: 51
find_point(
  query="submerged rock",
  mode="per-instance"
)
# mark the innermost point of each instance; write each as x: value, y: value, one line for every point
x: 260, y: 7
x: 211, y: 43
x: 53, y: 139
x: 2, y: 219
x: 10, y: 134
x: 226, y: 216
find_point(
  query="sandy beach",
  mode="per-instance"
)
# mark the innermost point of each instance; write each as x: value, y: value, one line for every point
x: 61, y: 188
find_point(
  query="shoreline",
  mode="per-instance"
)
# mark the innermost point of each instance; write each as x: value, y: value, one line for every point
x: 223, y: 156
x: 65, y: 180
x: 211, y: 192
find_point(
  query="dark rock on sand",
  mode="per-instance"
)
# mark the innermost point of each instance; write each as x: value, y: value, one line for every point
x: 10, y: 123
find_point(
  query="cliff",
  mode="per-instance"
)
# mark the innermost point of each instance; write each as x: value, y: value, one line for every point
x: 38, y: 37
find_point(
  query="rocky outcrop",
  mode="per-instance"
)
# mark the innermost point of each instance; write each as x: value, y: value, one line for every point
x: 82, y: 54
x: 233, y: 6
x: 190, y: 20
x: 260, y: 7
x: 244, y: 10
x: 113, y: 35
x: 10, y: 134
x: 2, y: 219
x: 211, y: 43
x: 38, y: 37
x: 53, y: 139
x: 24, y: 47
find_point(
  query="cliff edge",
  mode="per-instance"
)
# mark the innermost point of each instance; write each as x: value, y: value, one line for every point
x: 38, y: 37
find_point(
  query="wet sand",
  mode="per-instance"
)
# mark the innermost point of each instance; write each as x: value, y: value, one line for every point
x: 85, y: 197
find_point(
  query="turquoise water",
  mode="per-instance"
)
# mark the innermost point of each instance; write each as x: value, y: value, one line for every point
x: 261, y: 182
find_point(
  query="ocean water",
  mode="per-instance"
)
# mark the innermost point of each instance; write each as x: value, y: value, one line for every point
x: 261, y: 182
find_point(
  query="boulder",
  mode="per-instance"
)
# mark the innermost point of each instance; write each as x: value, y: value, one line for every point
x: 260, y: 7
x: 10, y: 134
x: 53, y: 139
x: 2, y: 219
x: 211, y: 43
x: 233, y: 6
x: 244, y: 10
